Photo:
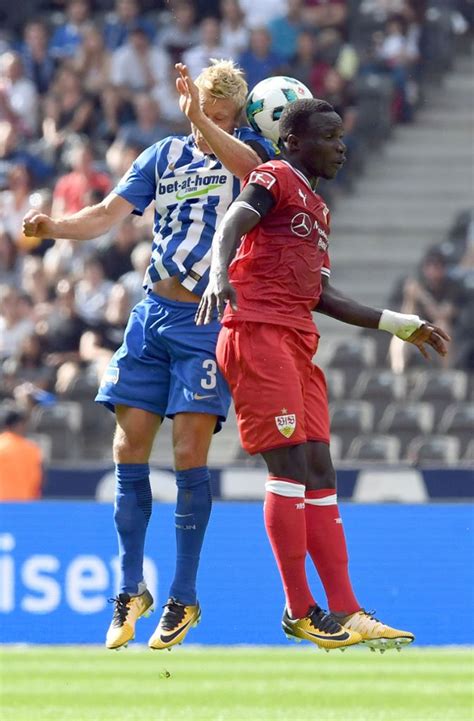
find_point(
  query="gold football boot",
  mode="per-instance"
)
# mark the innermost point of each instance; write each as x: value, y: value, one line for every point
x: 174, y: 625
x: 128, y: 609
x: 320, y: 628
x: 375, y: 634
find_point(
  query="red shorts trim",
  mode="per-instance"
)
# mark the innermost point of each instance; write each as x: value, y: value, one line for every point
x: 280, y: 396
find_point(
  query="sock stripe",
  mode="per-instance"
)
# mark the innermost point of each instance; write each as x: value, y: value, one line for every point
x: 326, y: 501
x: 285, y: 488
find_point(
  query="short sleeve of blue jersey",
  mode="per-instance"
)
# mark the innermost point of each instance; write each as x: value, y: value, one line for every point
x: 245, y: 134
x: 138, y: 185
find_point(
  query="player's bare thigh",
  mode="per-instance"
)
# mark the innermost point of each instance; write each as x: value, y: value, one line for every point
x: 134, y: 434
x: 192, y: 435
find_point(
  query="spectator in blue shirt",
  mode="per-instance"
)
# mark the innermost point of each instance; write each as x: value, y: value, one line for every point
x: 259, y: 61
x: 38, y: 63
x: 68, y: 37
x: 125, y: 18
x: 284, y: 30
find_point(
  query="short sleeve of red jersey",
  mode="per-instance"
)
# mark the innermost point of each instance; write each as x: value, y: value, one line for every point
x: 270, y: 177
x: 326, y: 266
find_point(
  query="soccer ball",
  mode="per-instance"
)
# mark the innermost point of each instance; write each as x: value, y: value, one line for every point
x: 266, y: 101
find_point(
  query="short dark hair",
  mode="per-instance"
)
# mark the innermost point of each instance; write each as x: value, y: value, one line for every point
x: 13, y: 416
x: 295, y: 116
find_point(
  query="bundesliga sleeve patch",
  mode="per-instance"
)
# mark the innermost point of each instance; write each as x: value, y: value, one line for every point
x: 262, y: 178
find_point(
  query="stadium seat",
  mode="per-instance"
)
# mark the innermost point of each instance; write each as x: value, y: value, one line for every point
x: 440, y: 388
x: 97, y: 422
x: 381, y: 387
x: 44, y: 442
x: 468, y: 455
x: 376, y: 448
x: 433, y: 450
x: 458, y: 420
x: 406, y: 420
x: 336, y: 447
x: 336, y: 383
x: 352, y: 356
x: 349, y: 419
x: 62, y: 422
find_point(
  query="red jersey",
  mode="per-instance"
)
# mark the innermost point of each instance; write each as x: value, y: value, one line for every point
x: 277, y: 269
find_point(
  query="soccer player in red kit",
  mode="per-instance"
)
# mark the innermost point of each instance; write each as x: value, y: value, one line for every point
x: 279, y: 274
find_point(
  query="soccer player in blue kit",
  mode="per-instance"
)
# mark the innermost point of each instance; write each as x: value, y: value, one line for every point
x: 166, y: 365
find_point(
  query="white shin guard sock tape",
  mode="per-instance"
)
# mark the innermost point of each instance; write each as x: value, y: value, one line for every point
x: 285, y: 488
x: 326, y: 501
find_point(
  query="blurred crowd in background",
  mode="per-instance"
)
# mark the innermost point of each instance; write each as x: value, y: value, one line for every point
x: 86, y: 85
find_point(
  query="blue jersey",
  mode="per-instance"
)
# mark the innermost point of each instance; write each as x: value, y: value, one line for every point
x: 191, y: 192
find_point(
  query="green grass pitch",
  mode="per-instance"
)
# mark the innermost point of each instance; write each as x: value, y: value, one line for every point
x: 234, y: 684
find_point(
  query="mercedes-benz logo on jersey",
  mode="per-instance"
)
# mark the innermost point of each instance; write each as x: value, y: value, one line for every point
x: 301, y: 225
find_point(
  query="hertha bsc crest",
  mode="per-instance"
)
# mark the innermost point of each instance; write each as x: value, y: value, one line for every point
x: 286, y: 424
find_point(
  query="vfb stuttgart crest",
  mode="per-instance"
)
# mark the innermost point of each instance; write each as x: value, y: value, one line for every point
x: 286, y: 423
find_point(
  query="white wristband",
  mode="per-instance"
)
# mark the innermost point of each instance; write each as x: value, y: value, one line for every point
x: 400, y: 324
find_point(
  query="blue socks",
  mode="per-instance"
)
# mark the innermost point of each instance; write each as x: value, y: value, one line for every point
x: 193, y: 509
x: 132, y: 512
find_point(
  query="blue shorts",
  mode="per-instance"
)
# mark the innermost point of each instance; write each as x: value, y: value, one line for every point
x: 166, y: 363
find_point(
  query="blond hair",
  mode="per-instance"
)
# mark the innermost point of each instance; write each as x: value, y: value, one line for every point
x: 224, y: 79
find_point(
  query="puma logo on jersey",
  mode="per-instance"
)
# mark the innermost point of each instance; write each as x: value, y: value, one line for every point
x: 302, y: 195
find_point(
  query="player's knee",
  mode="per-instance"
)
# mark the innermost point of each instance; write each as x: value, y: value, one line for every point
x: 319, y: 479
x: 288, y: 463
x: 187, y: 454
x: 129, y: 447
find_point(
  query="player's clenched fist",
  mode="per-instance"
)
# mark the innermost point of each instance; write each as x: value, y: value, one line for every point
x: 38, y: 225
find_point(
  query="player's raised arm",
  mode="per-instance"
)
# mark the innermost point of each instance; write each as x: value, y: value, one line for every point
x: 213, y: 123
x: 90, y: 222
x: 409, y: 328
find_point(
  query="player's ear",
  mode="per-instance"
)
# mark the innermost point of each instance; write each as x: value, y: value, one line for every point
x: 292, y: 142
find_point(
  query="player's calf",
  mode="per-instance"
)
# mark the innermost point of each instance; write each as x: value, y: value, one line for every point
x: 319, y: 628
x: 175, y: 623
x: 128, y: 609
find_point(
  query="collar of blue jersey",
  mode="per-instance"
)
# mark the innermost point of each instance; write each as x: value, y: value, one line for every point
x: 191, y: 141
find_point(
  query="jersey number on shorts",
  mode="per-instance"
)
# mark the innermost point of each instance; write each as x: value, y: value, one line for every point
x: 210, y: 366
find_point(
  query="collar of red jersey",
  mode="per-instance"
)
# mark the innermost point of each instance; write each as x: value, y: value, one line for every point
x: 299, y: 174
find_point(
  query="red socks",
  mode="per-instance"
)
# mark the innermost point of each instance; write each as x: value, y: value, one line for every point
x: 284, y: 513
x: 327, y: 547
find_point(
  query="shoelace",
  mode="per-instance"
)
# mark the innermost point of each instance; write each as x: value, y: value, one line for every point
x: 173, y: 615
x: 323, y: 621
x: 369, y: 616
x: 121, y: 608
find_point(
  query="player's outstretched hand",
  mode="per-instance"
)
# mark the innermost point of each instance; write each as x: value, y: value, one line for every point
x: 217, y: 294
x: 188, y: 93
x: 38, y: 225
x: 430, y: 335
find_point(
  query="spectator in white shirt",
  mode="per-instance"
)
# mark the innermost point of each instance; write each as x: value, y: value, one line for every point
x: 259, y: 14
x: 18, y: 95
x: 234, y: 31
x: 92, y: 291
x: 16, y: 321
x: 138, y: 65
x: 210, y: 46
